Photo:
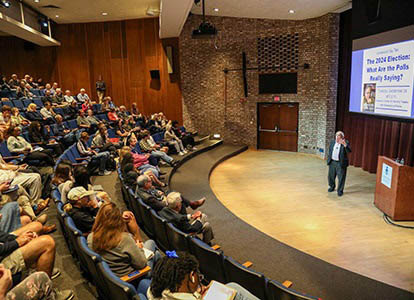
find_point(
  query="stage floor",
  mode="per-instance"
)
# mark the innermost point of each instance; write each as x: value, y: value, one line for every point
x: 284, y: 195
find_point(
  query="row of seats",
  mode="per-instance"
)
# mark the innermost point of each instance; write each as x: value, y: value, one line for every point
x: 93, y: 267
x: 213, y: 263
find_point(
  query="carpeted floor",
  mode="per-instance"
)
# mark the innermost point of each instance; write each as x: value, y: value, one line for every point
x: 271, y: 257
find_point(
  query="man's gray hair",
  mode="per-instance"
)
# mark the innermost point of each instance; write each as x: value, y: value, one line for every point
x: 173, y: 199
x: 340, y: 133
x: 142, y: 180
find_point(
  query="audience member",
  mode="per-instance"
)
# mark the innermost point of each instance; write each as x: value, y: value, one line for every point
x: 42, y: 138
x: 47, y: 97
x: 18, y: 145
x: 61, y: 130
x: 195, y: 223
x: 58, y: 99
x: 97, y: 159
x: 14, y: 82
x: 117, y: 238
x: 186, y: 138
x: 177, y: 276
x: 48, y: 113
x: 72, y: 111
x: 145, y: 145
x: 17, y: 119
x: 83, y: 96
x: 68, y: 97
x: 172, y: 139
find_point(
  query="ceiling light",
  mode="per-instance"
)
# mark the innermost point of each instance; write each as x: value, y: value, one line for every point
x: 216, y: 9
x: 291, y: 11
x: 5, y: 3
x: 37, y: 1
x: 104, y: 13
x: 57, y: 16
x: 44, y: 23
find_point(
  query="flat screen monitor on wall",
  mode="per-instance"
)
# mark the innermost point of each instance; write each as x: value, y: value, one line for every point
x: 279, y: 83
x: 382, y: 74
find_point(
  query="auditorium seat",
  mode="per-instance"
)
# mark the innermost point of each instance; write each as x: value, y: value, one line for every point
x: 277, y: 291
x: 146, y: 217
x: 72, y: 124
x: 91, y: 260
x: 38, y: 102
x: 117, y: 289
x: 26, y: 103
x: 133, y: 201
x: 211, y: 261
x: 160, y: 231
x: 178, y: 239
x: 253, y: 281
x: 73, y: 234
x: 125, y: 196
x: 9, y: 103
x: 18, y: 104
x: 61, y: 215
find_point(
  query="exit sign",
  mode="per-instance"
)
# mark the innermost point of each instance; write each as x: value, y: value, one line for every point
x: 276, y: 99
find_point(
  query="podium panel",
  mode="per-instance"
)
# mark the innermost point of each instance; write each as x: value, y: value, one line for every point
x: 394, y: 191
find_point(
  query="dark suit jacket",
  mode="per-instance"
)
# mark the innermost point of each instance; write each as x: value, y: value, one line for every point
x: 149, y: 199
x: 180, y: 221
x: 343, y: 154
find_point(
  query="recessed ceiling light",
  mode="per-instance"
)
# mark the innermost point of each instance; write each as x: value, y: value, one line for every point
x: 104, y: 13
x: 37, y: 1
x: 57, y: 16
x: 291, y: 11
x: 216, y: 9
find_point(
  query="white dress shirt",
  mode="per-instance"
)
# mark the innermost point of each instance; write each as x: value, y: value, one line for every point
x: 335, y: 152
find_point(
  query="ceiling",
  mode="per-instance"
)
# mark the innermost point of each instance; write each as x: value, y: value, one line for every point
x: 273, y: 9
x: 82, y: 11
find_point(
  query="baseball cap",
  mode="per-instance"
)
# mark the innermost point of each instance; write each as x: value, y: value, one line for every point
x: 79, y: 192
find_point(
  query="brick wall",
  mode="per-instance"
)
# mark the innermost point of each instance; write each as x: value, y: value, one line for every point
x: 212, y: 104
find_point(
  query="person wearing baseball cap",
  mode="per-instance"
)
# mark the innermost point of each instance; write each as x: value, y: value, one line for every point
x: 82, y: 208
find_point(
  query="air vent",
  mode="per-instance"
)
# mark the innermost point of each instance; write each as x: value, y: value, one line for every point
x: 50, y: 6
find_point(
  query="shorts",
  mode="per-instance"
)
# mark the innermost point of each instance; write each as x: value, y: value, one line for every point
x: 14, y: 262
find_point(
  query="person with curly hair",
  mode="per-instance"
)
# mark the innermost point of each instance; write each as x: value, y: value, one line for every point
x: 176, y: 276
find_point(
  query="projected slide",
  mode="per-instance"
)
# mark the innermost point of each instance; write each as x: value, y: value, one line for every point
x: 382, y: 80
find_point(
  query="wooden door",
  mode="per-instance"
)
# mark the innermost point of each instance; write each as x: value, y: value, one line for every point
x: 278, y: 126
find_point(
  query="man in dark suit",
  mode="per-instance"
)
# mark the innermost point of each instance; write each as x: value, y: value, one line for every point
x: 338, y: 162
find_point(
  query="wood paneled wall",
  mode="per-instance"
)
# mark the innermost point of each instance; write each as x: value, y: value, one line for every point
x: 123, y: 52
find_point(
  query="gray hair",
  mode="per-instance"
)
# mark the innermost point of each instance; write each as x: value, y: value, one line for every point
x: 142, y: 180
x: 173, y: 199
x: 340, y: 133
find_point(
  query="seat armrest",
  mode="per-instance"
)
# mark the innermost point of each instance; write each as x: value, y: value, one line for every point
x: 136, y: 274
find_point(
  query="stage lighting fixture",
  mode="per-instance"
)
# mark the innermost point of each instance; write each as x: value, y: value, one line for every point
x: 217, y: 136
x: 44, y: 23
x: 5, y: 3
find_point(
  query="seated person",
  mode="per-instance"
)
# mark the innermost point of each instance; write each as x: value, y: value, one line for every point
x: 17, y: 119
x: 101, y: 141
x: 68, y: 97
x: 91, y: 118
x: 58, y: 99
x: 14, y: 82
x: 172, y: 139
x: 48, y: 113
x: 117, y: 238
x: 18, y: 145
x: 5, y: 117
x: 86, y: 105
x: 120, y: 129
x: 83, y: 96
x: 140, y: 162
x: 145, y: 146
x: 157, y: 199
x: 47, y: 97
x: 82, y: 208
x: 131, y: 175
x: 186, y: 138
x: 176, y: 276
x: 38, y: 136
x: 36, y: 286
x: 26, y: 90
x: 84, y: 123
x: 195, y: 223
x: 112, y: 115
x: 25, y: 248
x: 33, y: 115
x: 71, y: 111
x: 63, y: 179
x: 32, y: 182
x: 122, y: 114
x: 48, y: 87
x: 97, y: 159
x: 68, y: 135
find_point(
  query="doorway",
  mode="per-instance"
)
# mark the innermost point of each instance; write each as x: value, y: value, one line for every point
x: 277, y: 126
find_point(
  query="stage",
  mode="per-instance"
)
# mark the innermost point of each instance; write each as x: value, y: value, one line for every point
x: 284, y: 195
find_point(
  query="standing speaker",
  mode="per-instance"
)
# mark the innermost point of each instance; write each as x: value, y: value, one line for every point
x: 155, y: 74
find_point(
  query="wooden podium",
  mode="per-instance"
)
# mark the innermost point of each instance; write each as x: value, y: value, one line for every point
x: 394, y: 191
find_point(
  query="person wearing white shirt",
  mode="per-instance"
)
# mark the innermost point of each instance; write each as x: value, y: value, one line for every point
x: 83, y: 96
x: 68, y: 97
x: 338, y: 162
